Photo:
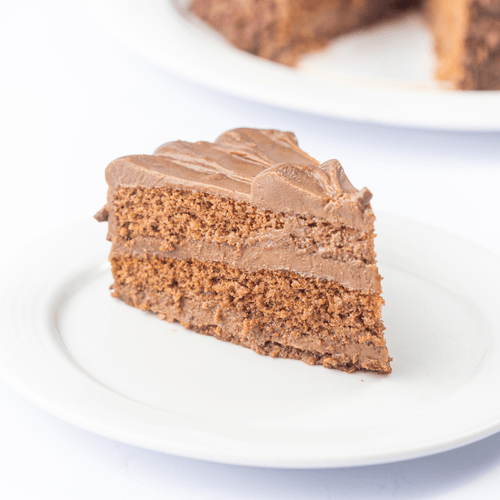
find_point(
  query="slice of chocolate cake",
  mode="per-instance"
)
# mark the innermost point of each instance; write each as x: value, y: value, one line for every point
x: 252, y: 241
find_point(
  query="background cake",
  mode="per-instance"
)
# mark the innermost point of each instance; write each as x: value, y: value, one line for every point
x: 467, y: 40
x: 466, y: 32
x: 252, y: 241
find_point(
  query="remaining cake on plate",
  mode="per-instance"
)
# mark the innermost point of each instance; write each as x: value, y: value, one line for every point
x: 281, y: 30
x: 252, y: 241
x: 467, y: 41
x: 466, y: 32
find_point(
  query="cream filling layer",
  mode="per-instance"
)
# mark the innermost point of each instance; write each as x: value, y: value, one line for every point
x: 260, y: 255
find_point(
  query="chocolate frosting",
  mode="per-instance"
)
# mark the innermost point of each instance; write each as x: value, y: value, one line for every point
x: 263, y: 167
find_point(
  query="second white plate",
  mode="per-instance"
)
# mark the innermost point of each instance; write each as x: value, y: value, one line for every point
x: 120, y: 372
x: 383, y: 74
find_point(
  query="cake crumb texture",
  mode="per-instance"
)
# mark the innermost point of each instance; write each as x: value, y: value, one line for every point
x: 174, y: 215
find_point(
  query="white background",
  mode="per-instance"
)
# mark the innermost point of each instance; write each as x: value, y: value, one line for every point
x: 72, y: 100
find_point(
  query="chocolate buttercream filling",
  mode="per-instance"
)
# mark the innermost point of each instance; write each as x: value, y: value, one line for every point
x: 261, y: 255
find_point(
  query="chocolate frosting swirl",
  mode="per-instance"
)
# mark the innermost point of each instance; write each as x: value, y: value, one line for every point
x: 263, y: 167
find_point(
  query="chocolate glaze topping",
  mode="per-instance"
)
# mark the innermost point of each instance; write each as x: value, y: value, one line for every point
x: 263, y: 167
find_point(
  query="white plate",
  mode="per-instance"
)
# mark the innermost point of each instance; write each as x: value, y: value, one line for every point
x: 70, y: 348
x: 382, y: 74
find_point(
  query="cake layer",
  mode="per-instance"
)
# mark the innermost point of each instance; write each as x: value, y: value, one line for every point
x: 174, y: 215
x: 276, y: 313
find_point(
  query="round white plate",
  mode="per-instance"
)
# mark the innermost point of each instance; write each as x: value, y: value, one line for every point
x: 70, y: 348
x: 382, y: 74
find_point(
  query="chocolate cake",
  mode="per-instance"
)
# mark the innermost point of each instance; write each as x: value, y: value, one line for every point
x: 281, y: 30
x: 467, y: 41
x: 250, y: 240
x: 466, y: 32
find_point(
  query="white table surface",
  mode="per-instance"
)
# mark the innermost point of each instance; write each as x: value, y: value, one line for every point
x: 72, y: 100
